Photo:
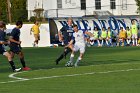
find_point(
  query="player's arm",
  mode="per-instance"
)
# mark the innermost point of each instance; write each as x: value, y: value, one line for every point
x: 60, y: 34
x: 3, y: 42
x: 89, y: 33
x: 12, y: 40
x: 31, y: 30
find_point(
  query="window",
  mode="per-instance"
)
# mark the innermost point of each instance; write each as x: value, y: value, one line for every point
x: 124, y: 4
x: 112, y: 4
x: 97, y: 4
x: 59, y: 3
x: 67, y: 1
x: 83, y: 4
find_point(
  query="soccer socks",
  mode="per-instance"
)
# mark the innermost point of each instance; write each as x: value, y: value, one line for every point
x: 102, y: 43
x: 68, y: 50
x: 12, y: 65
x: 136, y: 42
x: 133, y: 42
x: 107, y: 42
x: 77, y: 61
x: 71, y: 58
x: 22, y: 62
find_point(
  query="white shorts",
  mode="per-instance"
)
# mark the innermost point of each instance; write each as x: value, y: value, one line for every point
x: 80, y: 47
x: 134, y: 36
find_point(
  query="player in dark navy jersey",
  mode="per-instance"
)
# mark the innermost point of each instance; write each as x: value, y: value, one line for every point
x: 65, y: 36
x: 15, y: 42
x: 3, y: 51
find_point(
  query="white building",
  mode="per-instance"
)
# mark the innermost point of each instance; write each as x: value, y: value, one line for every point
x: 79, y: 8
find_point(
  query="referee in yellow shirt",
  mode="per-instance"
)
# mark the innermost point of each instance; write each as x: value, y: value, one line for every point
x: 35, y: 29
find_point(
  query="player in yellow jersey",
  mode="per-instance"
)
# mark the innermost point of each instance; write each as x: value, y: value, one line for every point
x: 36, y: 31
x: 104, y: 37
x: 129, y: 35
x: 122, y: 36
x: 134, y: 31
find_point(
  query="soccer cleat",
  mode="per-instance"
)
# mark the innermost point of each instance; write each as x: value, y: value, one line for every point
x: 75, y: 65
x: 26, y: 68
x: 57, y: 62
x: 17, y: 70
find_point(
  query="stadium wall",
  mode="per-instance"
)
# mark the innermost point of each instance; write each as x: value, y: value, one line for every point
x: 27, y: 39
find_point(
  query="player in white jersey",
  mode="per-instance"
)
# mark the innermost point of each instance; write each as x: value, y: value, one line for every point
x: 79, y: 45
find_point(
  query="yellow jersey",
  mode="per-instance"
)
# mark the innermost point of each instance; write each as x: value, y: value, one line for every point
x: 134, y: 29
x: 122, y: 34
x: 104, y: 34
x: 35, y: 29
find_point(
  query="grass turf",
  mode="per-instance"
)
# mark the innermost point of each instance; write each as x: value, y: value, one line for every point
x: 96, y: 61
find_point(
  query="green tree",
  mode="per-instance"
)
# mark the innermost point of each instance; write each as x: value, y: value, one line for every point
x: 18, y: 10
x: 138, y: 4
x: 3, y: 10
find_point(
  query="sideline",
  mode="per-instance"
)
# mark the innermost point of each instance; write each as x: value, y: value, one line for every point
x: 71, y: 75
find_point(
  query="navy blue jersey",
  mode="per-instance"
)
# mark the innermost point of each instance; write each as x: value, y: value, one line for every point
x: 67, y: 32
x: 15, y: 34
x: 2, y: 38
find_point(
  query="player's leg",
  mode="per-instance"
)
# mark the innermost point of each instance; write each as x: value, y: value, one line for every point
x: 22, y: 60
x: 9, y: 57
x: 70, y: 62
x: 107, y: 41
x: 133, y: 39
x: 64, y: 54
x: 136, y: 39
x: 82, y: 51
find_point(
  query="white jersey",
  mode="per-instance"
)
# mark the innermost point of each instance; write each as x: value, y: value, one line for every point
x: 79, y: 38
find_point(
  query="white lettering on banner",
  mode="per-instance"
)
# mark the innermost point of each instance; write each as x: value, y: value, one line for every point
x: 88, y: 23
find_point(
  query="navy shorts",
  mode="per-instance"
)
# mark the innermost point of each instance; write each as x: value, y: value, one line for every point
x: 15, y: 48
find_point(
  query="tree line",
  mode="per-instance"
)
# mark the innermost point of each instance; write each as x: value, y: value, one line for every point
x: 18, y: 10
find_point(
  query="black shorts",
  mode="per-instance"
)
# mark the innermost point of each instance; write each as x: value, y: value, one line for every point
x: 15, y: 48
x: 2, y: 51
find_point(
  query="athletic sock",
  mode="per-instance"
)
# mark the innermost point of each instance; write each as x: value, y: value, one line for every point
x: 133, y: 42
x: 62, y: 55
x: 107, y: 42
x: 77, y: 61
x: 22, y: 62
x: 127, y: 41
x: 136, y: 42
x: 12, y: 65
x: 102, y: 43
x: 71, y: 58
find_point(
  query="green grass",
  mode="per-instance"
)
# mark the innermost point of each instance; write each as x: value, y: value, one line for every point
x: 102, y: 70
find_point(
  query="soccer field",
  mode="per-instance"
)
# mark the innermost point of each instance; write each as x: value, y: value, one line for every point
x: 102, y: 70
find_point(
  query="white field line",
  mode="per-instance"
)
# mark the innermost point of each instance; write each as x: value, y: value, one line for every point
x: 71, y: 75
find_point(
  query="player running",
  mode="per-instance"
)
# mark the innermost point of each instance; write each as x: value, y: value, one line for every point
x: 65, y: 36
x: 35, y: 29
x: 15, y: 42
x: 79, y: 39
x: 3, y: 51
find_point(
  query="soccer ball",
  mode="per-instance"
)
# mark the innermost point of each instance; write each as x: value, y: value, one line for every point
x: 69, y: 64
